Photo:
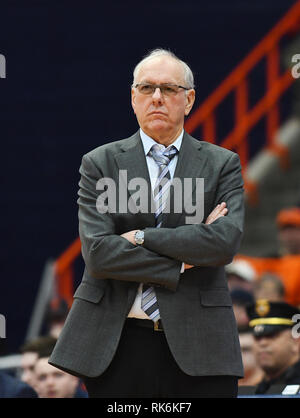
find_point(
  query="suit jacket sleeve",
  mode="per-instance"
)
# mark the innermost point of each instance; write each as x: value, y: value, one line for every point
x: 207, y: 245
x: 107, y: 255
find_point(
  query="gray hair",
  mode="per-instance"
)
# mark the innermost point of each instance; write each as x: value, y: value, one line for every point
x: 188, y: 74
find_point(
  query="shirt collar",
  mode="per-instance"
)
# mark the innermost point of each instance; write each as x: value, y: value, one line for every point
x: 148, y: 142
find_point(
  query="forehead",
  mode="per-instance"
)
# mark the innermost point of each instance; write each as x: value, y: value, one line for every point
x: 29, y: 358
x: 161, y: 70
x: 43, y: 367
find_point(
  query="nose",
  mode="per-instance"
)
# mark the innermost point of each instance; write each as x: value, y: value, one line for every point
x: 157, y: 97
x: 50, y: 382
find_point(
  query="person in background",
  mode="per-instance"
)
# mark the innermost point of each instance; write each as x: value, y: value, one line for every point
x: 53, y: 383
x: 253, y: 374
x: 12, y: 387
x: 269, y: 286
x: 287, y: 265
x: 276, y: 346
x: 288, y: 222
x: 55, y: 317
x: 29, y: 354
x: 240, y: 300
x: 240, y: 274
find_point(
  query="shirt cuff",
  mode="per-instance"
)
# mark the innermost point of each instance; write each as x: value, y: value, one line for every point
x: 182, y: 268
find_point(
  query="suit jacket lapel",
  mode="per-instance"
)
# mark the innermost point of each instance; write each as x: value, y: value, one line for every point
x: 191, y: 164
x: 133, y: 160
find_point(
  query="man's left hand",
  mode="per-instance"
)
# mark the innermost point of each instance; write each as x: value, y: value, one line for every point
x: 130, y: 236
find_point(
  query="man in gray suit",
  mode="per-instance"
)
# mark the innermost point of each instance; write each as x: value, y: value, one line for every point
x: 153, y: 316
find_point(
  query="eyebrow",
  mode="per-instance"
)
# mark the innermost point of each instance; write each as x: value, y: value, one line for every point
x: 161, y: 84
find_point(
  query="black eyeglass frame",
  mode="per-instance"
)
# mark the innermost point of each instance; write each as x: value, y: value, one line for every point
x: 158, y: 86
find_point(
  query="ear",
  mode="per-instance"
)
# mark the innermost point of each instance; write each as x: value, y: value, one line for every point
x: 190, y: 99
x: 133, y: 97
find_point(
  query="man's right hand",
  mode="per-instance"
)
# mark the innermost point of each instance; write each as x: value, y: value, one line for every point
x: 219, y: 211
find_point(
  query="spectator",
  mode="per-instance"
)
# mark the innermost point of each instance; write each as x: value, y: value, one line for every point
x: 270, y: 287
x: 30, y: 353
x: 54, y: 383
x: 253, y: 374
x: 276, y: 349
x: 287, y: 267
x: 55, y: 317
x: 240, y: 274
x: 288, y: 221
x: 11, y: 387
x: 240, y: 300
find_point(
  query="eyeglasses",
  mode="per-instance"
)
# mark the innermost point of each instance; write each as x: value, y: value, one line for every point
x: 166, y: 89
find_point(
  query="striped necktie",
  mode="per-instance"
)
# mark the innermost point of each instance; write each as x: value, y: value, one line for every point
x: 161, y: 191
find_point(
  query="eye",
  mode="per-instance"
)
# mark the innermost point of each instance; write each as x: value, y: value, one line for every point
x: 169, y: 90
x: 146, y: 88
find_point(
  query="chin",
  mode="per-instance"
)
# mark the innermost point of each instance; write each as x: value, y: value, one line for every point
x: 158, y: 127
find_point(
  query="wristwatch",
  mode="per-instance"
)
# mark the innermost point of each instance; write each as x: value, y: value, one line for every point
x: 139, y: 237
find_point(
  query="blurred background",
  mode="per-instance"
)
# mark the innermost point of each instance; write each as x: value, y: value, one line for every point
x: 67, y: 90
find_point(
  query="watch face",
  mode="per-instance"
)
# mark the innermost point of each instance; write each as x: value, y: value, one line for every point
x: 139, y: 237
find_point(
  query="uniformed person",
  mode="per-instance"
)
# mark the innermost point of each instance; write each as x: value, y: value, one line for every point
x: 276, y: 330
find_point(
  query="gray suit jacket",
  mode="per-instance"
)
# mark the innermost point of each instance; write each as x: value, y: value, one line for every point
x: 195, y: 307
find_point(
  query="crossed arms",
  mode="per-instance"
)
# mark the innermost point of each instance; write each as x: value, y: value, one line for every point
x: 219, y: 211
x: 109, y: 255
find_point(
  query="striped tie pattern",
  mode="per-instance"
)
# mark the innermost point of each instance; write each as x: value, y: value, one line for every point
x: 161, y: 192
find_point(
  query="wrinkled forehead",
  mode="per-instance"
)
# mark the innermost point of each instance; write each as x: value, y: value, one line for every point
x: 160, y: 70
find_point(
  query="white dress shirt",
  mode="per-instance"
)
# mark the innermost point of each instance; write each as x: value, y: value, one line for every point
x: 136, y: 311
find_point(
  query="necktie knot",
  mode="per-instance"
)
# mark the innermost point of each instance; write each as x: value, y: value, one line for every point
x: 162, y: 158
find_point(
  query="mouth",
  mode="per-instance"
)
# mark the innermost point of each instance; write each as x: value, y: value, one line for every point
x: 51, y: 394
x: 264, y: 354
x: 157, y: 114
